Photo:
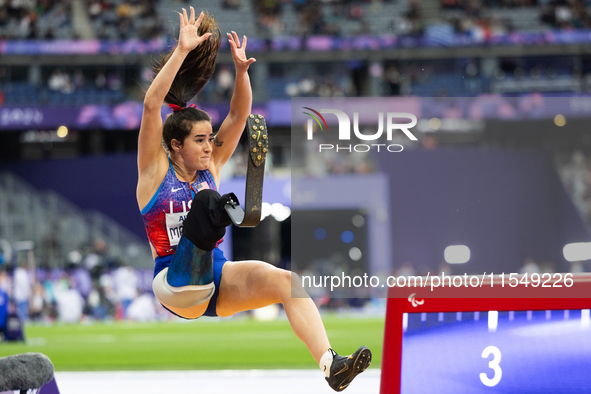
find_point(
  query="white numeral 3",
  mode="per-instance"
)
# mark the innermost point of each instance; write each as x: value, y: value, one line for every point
x: 492, y: 364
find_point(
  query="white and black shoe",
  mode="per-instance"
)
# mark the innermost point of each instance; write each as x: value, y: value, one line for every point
x: 344, y: 368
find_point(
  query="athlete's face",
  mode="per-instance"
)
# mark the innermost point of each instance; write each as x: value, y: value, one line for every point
x: 197, y: 146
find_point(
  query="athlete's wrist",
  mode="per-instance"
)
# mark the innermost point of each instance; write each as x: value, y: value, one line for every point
x: 182, y: 52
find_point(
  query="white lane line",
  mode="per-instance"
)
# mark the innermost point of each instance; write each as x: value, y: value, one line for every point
x: 219, y: 382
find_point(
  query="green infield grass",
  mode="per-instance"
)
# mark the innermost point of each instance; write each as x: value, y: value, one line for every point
x: 240, y: 343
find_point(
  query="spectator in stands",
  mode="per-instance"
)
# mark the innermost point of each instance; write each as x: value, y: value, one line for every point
x: 576, y: 267
x: 269, y: 22
x: 60, y: 81
x: 22, y: 290
x: 311, y: 19
x: 37, y: 302
x: 69, y: 304
x: 95, y: 262
x: 406, y: 269
x: 126, y: 282
x: 530, y: 267
x: 231, y: 4
x: 4, y: 300
x: 5, y: 282
x: 224, y: 83
x: 413, y: 16
x: 49, y: 34
x: 107, y: 295
x: 430, y: 142
x: 3, y: 16
x: 2, y: 76
x: 114, y: 81
x: 81, y: 280
x: 393, y: 81
x: 78, y: 79
x: 100, y: 80
x: 94, y: 9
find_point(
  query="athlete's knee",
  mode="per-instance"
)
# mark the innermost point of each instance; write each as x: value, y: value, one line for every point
x: 207, y: 220
x: 282, y: 278
x: 294, y: 279
x: 289, y: 284
x: 296, y: 288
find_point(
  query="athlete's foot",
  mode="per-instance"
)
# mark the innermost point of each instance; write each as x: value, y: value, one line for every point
x: 344, y: 368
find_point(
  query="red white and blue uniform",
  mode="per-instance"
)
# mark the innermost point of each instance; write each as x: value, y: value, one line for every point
x: 164, y: 216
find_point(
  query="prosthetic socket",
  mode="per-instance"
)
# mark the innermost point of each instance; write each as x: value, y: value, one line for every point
x: 188, y: 281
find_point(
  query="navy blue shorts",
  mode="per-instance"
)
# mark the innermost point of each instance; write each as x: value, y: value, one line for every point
x: 218, y: 264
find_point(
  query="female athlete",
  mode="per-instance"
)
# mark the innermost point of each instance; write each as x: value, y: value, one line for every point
x: 179, y: 165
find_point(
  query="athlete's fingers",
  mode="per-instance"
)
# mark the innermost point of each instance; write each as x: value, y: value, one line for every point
x: 185, y: 19
x: 192, y: 19
x: 244, y: 42
x: 232, y: 43
x: 199, y: 20
x: 236, y: 39
x: 181, y: 18
x: 205, y: 37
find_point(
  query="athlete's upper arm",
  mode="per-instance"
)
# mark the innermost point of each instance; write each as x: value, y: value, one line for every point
x: 152, y: 160
x: 150, y: 150
x: 227, y: 139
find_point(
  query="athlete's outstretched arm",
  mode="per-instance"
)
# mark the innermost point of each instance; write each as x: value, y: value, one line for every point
x: 150, y: 137
x: 240, y: 107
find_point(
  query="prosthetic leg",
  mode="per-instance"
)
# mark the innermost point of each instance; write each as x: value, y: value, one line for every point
x: 188, y: 281
x: 258, y: 145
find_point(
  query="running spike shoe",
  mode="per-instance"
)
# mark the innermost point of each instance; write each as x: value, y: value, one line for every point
x: 344, y: 368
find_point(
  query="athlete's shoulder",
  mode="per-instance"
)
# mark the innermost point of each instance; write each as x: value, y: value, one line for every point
x: 150, y: 181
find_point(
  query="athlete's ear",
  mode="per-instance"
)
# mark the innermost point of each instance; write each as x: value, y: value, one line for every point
x: 176, y: 145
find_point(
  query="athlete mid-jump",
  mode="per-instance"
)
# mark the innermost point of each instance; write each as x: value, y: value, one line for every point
x: 179, y: 165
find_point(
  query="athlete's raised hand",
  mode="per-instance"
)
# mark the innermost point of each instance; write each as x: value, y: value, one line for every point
x: 239, y: 53
x: 189, y: 37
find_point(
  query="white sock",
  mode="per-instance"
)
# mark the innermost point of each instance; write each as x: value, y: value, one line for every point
x: 326, y: 362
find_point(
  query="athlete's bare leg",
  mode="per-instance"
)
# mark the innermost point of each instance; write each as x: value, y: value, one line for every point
x: 247, y: 285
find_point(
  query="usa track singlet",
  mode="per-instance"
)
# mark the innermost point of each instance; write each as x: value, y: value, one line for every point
x: 167, y: 210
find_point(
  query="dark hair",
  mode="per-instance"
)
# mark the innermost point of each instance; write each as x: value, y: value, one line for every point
x: 179, y: 124
x: 193, y: 75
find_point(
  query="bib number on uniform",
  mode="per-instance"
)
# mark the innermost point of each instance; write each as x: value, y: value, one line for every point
x: 174, y: 224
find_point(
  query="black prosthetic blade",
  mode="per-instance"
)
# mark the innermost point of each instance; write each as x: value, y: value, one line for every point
x: 258, y: 146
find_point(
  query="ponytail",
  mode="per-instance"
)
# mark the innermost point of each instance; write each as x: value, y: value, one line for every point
x: 193, y: 75
x: 198, y: 66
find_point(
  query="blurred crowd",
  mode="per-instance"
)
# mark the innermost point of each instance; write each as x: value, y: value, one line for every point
x: 556, y: 14
x: 32, y: 19
x: 121, y: 20
x: 118, y: 20
x: 63, y: 81
x: 563, y: 14
x: 91, y: 287
x: 126, y: 19
x: 328, y: 17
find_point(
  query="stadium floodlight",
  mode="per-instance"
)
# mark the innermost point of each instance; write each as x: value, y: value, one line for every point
x: 280, y: 212
x: 457, y: 254
x: 265, y: 210
x: 577, y: 251
x: 355, y: 254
